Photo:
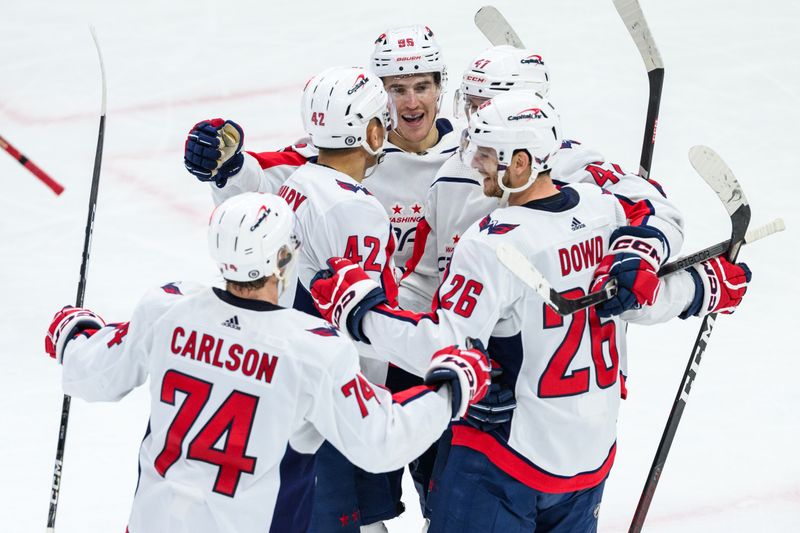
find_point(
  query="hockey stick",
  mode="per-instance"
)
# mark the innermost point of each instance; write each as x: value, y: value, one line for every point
x: 719, y: 176
x: 519, y: 265
x: 631, y: 14
x: 31, y: 166
x: 87, y: 244
x: 496, y: 28
x: 727, y: 190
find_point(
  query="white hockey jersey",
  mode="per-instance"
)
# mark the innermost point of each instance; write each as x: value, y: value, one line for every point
x: 265, y: 171
x: 241, y: 391
x: 455, y: 200
x: 564, y: 370
x: 400, y: 184
x: 337, y: 217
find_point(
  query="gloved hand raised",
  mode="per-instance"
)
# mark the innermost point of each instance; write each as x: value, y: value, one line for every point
x: 213, y: 150
x: 67, y: 323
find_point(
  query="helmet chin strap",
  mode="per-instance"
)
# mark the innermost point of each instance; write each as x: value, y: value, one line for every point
x: 501, y: 173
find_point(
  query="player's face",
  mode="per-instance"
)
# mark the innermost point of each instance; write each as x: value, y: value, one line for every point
x: 473, y: 103
x: 415, y: 99
x: 485, y: 162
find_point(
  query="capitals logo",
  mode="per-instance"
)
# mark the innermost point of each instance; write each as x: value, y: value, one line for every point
x: 325, y: 331
x: 361, y: 80
x: 171, y: 288
x: 531, y: 113
x: 353, y: 188
x: 261, y: 216
x: 493, y: 228
x: 534, y: 59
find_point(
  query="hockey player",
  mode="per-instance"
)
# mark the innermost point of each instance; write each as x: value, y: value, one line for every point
x: 455, y: 200
x: 545, y: 469
x: 242, y: 389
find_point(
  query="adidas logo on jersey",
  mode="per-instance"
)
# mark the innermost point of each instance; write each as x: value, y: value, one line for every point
x: 577, y: 224
x: 232, y: 322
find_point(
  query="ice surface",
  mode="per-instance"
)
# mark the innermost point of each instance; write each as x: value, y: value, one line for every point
x: 732, y: 82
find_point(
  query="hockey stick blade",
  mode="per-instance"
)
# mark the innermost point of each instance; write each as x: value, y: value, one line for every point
x: 519, y: 265
x: 496, y: 28
x: 632, y: 16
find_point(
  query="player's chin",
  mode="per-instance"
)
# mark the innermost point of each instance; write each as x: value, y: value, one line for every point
x: 414, y: 126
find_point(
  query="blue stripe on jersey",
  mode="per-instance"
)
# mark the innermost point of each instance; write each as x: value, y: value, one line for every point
x: 391, y: 150
x: 450, y: 150
x: 456, y: 180
x: 566, y: 199
x: 139, y: 477
x: 443, y: 126
x: 296, y: 494
x: 303, y: 301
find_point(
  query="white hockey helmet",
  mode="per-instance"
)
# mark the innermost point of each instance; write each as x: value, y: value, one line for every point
x: 519, y: 120
x: 338, y: 105
x: 501, y: 69
x: 408, y: 50
x: 251, y: 236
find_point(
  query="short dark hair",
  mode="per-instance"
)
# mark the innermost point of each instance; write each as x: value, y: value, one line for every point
x: 245, y: 286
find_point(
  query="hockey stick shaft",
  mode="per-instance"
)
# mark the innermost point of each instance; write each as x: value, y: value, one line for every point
x: 31, y: 166
x: 87, y: 244
x: 716, y: 173
x: 632, y: 16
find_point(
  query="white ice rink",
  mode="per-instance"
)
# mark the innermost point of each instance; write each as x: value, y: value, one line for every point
x: 732, y: 82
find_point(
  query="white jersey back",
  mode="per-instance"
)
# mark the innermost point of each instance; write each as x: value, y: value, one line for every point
x: 400, y: 183
x: 564, y: 370
x: 241, y: 391
x: 456, y: 200
x: 337, y: 217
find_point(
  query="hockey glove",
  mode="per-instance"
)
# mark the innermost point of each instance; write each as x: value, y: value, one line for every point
x: 66, y: 324
x: 634, y: 256
x: 719, y: 287
x: 213, y: 150
x: 495, y: 408
x: 343, y: 294
x: 465, y: 371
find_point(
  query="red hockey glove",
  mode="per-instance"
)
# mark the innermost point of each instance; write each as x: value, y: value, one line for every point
x: 633, y: 259
x: 466, y: 371
x: 719, y: 286
x: 343, y: 294
x: 65, y: 325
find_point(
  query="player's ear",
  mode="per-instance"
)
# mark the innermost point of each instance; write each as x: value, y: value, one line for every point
x: 521, y: 161
x: 375, y: 134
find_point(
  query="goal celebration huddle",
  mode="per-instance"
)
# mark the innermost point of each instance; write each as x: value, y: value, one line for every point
x: 401, y: 289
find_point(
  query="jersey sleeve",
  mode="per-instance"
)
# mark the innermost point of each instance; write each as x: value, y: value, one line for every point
x: 107, y: 364
x: 468, y: 303
x: 674, y: 297
x: 374, y: 430
x: 361, y: 233
x: 260, y: 172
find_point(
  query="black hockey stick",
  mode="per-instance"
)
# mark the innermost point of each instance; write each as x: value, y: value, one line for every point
x: 705, y: 161
x: 87, y: 244
x: 519, y: 265
x: 631, y: 14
